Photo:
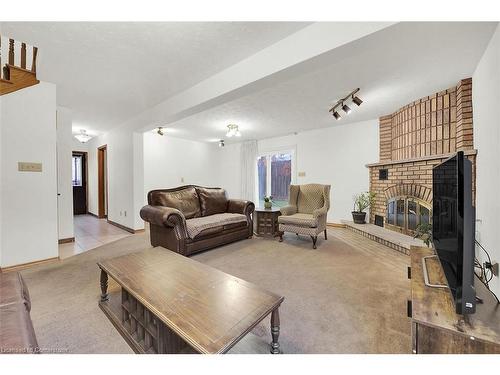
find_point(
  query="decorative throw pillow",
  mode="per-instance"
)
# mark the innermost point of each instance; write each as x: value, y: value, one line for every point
x: 185, y: 200
x: 212, y: 201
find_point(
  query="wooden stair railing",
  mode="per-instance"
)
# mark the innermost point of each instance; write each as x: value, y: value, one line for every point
x: 12, y: 77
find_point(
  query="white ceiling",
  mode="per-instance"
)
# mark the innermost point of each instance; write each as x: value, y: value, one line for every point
x: 392, y: 67
x: 108, y: 72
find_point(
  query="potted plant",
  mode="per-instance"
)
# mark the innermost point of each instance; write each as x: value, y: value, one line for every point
x: 424, y: 232
x: 268, y: 202
x: 361, y: 203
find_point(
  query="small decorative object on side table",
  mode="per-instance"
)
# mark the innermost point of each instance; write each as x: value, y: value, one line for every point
x: 267, y: 221
x: 268, y: 202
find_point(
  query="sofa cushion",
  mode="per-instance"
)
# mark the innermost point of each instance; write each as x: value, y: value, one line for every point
x: 212, y: 201
x: 197, y: 225
x: 185, y: 200
x: 16, y: 330
x: 13, y: 289
x: 301, y: 220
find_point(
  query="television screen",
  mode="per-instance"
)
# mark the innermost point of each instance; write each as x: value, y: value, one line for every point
x: 453, y: 225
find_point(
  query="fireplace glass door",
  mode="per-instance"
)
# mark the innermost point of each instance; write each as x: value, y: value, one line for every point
x: 404, y: 214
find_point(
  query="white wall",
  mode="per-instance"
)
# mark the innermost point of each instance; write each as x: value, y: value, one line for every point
x: 171, y: 162
x: 486, y: 101
x: 64, y: 184
x: 28, y: 199
x: 125, y: 181
x: 76, y: 145
x: 335, y: 156
x: 228, y: 173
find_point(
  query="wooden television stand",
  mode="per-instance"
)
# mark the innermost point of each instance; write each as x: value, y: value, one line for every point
x: 436, y: 327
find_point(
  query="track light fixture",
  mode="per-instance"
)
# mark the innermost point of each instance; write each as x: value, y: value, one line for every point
x: 221, y: 143
x: 341, y: 103
x: 346, y: 109
x: 159, y: 130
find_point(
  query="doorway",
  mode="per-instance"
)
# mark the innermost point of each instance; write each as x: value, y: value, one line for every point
x: 102, y: 181
x: 79, y: 179
x: 275, y: 173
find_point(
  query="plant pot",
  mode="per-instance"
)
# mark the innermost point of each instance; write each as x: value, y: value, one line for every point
x: 268, y: 204
x: 359, y: 217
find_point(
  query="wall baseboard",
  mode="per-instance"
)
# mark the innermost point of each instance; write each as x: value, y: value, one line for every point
x: 130, y: 230
x: 336, y: 225
x: 92, y: 214
x: 66, y: 240
x: 22, y: 266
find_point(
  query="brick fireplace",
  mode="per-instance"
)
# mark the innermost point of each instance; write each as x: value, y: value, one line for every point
x: 413, y: 140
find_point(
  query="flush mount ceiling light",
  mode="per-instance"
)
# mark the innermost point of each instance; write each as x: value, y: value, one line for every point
x: 221, y: 143
x: 233, y: 131
x: 83, y: 137
x: 341, y: 103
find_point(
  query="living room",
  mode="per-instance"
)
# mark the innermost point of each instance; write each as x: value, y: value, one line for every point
x: 249, y: 187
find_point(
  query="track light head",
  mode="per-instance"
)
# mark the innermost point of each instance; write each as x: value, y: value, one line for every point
x: 160, y: 131
x: 336, y: 115
x: 356, y: 100
x: 345, y: 108
x: 221, y: 143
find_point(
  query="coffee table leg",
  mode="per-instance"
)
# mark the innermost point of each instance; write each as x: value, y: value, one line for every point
x: 275, y: 331
x: 104, y: 286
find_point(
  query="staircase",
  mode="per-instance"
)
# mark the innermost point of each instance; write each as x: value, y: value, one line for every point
x: 14, y: 75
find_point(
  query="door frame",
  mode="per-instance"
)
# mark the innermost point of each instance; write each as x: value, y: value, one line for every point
x: 86, y: 179
x: 102, y: 177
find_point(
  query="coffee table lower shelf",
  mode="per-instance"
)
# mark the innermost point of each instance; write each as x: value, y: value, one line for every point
x: 144, y: 333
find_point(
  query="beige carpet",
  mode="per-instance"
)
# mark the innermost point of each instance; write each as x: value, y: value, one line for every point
x: 348, y: 296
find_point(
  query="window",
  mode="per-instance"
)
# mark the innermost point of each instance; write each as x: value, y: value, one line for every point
x: 76, y: 167
x: 274, y: 176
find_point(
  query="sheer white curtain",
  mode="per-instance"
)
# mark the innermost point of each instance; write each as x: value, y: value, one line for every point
x: 248, y: 155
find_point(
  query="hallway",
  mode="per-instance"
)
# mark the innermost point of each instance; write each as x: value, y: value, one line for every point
x: 90, y: 232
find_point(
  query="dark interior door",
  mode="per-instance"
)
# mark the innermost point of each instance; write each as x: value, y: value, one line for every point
x: 79, y: 169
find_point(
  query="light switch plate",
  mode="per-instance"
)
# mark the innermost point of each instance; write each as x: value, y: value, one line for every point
x: 302, y: 174
x: 29, y: 167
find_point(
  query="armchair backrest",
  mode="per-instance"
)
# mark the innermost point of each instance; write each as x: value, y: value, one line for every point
x: 309, y: 197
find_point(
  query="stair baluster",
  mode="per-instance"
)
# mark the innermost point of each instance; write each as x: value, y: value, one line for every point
x: 33, y: 64
x: 11, y: 51
x: 23, y: 55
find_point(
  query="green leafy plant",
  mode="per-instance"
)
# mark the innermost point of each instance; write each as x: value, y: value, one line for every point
x: 424, y: 232
x: 363, y: 201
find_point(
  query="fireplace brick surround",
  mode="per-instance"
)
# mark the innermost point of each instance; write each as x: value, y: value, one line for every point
x: 417, y: 137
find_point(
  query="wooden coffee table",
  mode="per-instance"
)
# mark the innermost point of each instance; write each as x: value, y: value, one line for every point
x: 162, y: 302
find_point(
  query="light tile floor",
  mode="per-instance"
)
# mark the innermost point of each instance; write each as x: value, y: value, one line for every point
x: 90, y: 232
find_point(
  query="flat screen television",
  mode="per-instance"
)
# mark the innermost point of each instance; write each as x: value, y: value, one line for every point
x: 453, y: 228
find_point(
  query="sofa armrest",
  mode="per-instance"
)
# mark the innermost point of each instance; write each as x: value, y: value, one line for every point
x: 288, y: 210
x: 163, y: 216
x: 240, y: 206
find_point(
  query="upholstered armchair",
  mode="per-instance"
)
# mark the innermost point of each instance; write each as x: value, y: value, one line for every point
x: 306, y: 211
